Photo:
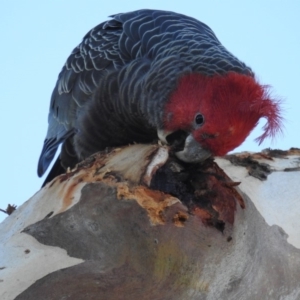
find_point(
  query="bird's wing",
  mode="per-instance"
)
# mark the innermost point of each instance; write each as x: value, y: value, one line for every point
x: 76, y: 83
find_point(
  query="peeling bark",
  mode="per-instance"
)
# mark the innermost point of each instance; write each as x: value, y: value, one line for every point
x: 151, y: 227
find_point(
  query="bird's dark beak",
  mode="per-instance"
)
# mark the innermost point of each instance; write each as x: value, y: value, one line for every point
x: 184, y: 145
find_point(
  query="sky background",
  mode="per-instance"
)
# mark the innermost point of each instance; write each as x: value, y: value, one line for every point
x: 38, y: 36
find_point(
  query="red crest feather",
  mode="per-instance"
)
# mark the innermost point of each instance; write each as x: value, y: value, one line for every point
x: 231, y: 105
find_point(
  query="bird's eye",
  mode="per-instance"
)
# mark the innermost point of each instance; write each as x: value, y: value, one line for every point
x: 199, y: 119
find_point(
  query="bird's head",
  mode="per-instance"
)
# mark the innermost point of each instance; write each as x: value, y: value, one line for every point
x: 213, y: 115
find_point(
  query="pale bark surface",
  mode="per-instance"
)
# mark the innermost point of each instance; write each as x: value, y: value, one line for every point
x: 104, y: 232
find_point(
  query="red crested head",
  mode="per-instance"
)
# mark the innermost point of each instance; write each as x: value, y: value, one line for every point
x: 221, y: 111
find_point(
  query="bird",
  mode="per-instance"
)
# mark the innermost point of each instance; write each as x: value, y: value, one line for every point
x: 151, y: 75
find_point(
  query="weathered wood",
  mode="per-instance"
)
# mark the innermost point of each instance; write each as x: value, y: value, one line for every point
x: 121, y: 226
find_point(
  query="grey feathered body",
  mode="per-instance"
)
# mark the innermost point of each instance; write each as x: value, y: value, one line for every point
x: 116, y: 82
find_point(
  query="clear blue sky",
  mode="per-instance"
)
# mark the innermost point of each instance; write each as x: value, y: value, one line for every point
x: 37, y: 37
